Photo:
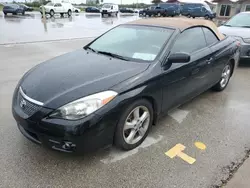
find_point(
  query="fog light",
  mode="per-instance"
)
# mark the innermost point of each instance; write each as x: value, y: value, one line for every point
x: 68, y: 145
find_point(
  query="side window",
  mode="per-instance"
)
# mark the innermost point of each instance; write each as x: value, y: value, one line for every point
x: 58, y: 5
x: 210, y: 36
x: 190, y: 41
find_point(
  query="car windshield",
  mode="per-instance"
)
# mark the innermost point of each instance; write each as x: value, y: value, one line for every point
x: 50, y: 4
x: 133, y: 42
x: 106, y: 6
x: 240, y: 20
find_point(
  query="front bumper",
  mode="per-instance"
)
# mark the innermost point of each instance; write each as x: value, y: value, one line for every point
x: 85, y: 135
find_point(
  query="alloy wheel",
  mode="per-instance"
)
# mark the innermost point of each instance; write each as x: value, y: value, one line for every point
x: 136, y: 125
x: 226, y: 73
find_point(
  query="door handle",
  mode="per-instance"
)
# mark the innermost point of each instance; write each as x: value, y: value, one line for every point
x: 195, y: 71
x: 208, y: 61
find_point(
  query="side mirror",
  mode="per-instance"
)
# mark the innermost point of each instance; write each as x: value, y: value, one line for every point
x: 179, y: 57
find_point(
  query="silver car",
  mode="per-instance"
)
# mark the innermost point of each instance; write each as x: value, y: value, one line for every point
x: 239, y: 27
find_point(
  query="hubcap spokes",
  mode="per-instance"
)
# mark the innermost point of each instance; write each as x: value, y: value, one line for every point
x: 136, y: 125
x: 225, y: 76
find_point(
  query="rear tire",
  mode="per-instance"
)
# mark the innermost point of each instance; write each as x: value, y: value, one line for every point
x: 52, y: 13
x: 159, y: 14
x: 76, y: 11
x: 225, y: 78
x: 132, y: 129
x: 206, y: 17
x: 5, y: 13
x: 23, y: 13
x: 189, y: 16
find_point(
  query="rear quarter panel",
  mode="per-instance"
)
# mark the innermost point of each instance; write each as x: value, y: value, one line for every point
x: 223, y: 52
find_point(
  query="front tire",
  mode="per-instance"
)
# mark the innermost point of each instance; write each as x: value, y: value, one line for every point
x: 134, y: 125
x: 206, y: 17
x: 225, y: 78
x: 159, y: 14
x: 52, y: 13
x: 5, y: 13
x: 69, y: 13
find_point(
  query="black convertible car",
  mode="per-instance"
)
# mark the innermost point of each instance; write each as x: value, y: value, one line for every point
x: 116, y: 87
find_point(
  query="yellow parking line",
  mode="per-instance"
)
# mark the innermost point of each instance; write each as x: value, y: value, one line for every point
x: 186, y: 158
x: 177, y: 151
x: 200, y: 145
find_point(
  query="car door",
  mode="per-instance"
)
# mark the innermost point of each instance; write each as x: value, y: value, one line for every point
x: 58, y: 7
x: 217, y: 60
x: 183, y: 81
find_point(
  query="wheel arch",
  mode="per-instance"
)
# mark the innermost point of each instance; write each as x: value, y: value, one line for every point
x: 232, y: 62
x: 154, y: 106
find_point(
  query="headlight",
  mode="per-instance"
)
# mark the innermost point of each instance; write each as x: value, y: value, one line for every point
x: 247, y: 40
x: 84, y: 106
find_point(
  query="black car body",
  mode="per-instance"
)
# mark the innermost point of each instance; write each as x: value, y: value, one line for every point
x: 13, y: 9
x: 92, y: 10
x: 197, y: 10
x: 164, y: 78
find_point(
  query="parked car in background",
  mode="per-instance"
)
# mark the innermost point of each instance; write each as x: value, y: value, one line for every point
x: 239, y: 27
x: 58, y: 8
x: 26, y: 8
x: 154, y: 11
x: 92, y: 10
x: 126, y: 10
x: 197, y: 10
x: 76, y: 10
x: 171, y: 9
x: 109, y: 9
x: 153, y: 65
x: 13, y: 9
x: 136, y: 10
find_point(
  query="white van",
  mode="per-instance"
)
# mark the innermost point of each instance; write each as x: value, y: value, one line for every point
x: 109, y: 9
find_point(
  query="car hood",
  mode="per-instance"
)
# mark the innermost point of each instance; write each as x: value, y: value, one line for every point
x: 74, y: 75
x: 235, y: 31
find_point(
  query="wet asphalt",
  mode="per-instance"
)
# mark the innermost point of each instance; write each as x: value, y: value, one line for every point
x: 30, y: 28
x: 219, y: 120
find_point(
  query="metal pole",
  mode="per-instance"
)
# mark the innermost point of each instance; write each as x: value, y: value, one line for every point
x: 43, y: 11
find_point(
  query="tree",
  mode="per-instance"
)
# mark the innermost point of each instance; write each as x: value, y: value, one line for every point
x: 156, y: 1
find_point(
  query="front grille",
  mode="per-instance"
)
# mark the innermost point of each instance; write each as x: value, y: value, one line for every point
x: 27, y: 107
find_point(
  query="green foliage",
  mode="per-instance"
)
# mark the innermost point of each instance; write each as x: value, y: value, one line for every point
x: 156, y: 1
x: 36, y: 3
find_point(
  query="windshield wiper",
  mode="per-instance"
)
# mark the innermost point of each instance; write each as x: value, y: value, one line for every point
x: 246, y: 26
x: 89, y: 48
x: 113, y: 55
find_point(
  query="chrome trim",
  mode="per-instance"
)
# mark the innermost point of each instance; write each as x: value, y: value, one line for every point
x: 30, y: 99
